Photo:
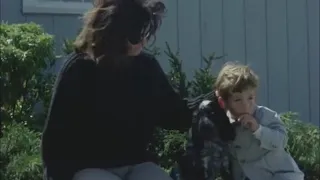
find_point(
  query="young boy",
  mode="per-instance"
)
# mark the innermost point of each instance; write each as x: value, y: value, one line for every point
x: 258, y: 151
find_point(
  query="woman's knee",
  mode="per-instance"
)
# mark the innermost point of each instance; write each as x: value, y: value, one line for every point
x: 95, y: 174
x: 148, y: 171
x: 147, y: 165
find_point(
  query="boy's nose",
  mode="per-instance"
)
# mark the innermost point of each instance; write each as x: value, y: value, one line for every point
x: 246, y: 107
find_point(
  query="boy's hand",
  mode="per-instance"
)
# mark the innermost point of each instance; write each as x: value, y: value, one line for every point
x: 249, y: 122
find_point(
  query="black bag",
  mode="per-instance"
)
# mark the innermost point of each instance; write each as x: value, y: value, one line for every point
x: 206, y: 154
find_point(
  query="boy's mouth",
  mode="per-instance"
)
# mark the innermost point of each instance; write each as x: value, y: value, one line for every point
x: 235, y: 119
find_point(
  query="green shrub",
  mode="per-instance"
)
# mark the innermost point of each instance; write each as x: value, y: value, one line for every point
x: 168, y: 143
x: 303, y: 144
x: 26, y: 53
x: 20, y: 153
x: 68, y: 46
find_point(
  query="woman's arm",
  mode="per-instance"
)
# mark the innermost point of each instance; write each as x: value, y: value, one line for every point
x: 67, y: 120
x: 174, y: 111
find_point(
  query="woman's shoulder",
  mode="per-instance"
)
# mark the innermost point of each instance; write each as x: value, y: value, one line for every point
x: 146, y: 55
x: 76, y: 67
x: 150, y: 63
x: 77, y: 62
x: 147, y: 58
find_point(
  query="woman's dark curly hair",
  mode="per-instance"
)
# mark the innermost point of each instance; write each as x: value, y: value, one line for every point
x: 111, y: 24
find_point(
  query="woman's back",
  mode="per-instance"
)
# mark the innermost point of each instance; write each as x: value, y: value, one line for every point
x: 103, y: 116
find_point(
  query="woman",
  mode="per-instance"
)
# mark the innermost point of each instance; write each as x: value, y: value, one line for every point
x: 109, y: 97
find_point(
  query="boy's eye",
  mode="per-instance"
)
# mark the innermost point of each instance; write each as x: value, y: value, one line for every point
x: 237, y: 100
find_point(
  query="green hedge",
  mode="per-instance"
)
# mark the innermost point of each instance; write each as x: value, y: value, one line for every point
x: 27, y: 55
x: 20, y: 153
x: 303, y: 144
x: 26, y: 51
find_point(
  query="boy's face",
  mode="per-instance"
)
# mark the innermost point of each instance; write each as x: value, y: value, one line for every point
x: 242, y: 103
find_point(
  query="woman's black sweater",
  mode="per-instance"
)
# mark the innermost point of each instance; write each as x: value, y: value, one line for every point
x: 104, y: 116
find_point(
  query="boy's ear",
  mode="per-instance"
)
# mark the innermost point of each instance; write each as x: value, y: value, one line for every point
x: 221, y: 102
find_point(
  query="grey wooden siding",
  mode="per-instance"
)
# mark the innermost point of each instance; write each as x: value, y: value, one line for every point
x: 278, y: 38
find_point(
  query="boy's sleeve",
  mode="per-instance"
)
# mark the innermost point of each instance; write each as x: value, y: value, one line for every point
x: 272, y: 132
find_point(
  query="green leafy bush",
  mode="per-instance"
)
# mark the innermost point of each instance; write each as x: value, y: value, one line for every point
x: 303, y: 144
x: 169, y: 143
x: 26, y: 53
x: 20, y: 153
x: 68, y: 46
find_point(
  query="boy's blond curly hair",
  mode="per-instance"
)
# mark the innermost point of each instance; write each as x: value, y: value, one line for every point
x: 235, y: 77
